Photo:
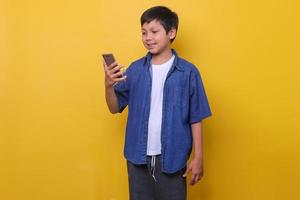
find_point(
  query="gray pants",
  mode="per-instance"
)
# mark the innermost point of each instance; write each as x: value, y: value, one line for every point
x: 147, y: 182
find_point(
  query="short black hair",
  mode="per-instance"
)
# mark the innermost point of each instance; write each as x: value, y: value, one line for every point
x: 164, y: 15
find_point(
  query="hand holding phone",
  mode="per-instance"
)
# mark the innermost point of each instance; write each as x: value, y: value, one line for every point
x: 112, y: 71
x: 110, y: 59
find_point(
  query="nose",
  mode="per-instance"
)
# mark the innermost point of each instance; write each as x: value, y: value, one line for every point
x: 148, y: 37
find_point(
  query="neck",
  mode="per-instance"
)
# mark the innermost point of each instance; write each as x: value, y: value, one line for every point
x: 162, y: 57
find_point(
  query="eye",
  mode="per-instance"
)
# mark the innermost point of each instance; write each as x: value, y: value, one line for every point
x: 154, y: 31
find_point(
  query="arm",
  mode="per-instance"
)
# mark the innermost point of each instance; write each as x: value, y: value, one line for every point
x: 197, y: 140
x: 196, y: 165
x: 110, y: 80
x: 199, y: 110
x: 111, y: 99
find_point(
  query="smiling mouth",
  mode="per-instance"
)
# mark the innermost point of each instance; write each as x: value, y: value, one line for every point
x: 151, y: 45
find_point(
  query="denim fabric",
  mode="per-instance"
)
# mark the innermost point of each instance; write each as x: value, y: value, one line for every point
x: 184, y: 103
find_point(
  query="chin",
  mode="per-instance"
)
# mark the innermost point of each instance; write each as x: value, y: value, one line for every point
x: 154, y: 51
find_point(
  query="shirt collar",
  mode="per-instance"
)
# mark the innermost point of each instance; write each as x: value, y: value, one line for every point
x: 147, y: 60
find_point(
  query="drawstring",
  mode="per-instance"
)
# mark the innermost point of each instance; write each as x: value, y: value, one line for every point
x: 153, y: 167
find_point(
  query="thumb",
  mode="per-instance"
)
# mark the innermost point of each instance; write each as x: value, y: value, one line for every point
x: 104, y: 64
x: 188, y: 169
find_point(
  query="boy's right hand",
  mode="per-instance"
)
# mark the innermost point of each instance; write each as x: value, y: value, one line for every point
x: 111, y: 74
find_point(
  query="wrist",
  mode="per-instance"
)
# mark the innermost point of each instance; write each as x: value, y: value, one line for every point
x: 109, y: 86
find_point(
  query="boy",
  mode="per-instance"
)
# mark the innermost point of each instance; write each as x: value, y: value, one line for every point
x: 166, y: 104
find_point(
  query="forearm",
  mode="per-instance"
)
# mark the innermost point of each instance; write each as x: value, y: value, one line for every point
x: 111, y: 99
x: 196, y: 165
x: 197, y: 140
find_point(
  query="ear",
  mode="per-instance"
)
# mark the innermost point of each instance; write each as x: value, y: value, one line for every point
x: 172, y: 33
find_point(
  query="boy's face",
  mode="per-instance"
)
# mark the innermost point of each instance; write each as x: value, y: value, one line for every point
x: 155, y: 38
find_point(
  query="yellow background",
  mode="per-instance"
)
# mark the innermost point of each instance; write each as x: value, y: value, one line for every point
x: 58, y: 140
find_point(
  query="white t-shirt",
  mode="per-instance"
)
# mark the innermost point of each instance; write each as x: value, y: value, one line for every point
x: 159, y: 74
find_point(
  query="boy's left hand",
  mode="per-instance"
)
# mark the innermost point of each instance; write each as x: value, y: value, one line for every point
x: 196, y: 166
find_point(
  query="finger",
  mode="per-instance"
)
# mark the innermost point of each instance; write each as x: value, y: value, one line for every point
x: 193, y: 179
x: 114, y: 70
x: 197, y: 178
x: 120, y: 79
x: 188, y: 169
x: 123, y: 68
x: 116, y: 75
x: 117, y: 68
x: 112, y: 65
x: 191, y: 182
x: 104, y: 64
x: 186, y: 172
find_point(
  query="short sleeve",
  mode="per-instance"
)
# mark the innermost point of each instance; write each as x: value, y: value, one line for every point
x: 122, y: 92
x: 199, y: 106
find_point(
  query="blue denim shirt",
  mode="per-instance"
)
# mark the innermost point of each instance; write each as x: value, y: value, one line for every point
x: 184, y: 103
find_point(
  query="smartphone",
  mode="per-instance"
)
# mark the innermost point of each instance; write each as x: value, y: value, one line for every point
x: 109, y: 59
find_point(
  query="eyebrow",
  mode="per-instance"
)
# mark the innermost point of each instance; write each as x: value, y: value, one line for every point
x: 150, y: 28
